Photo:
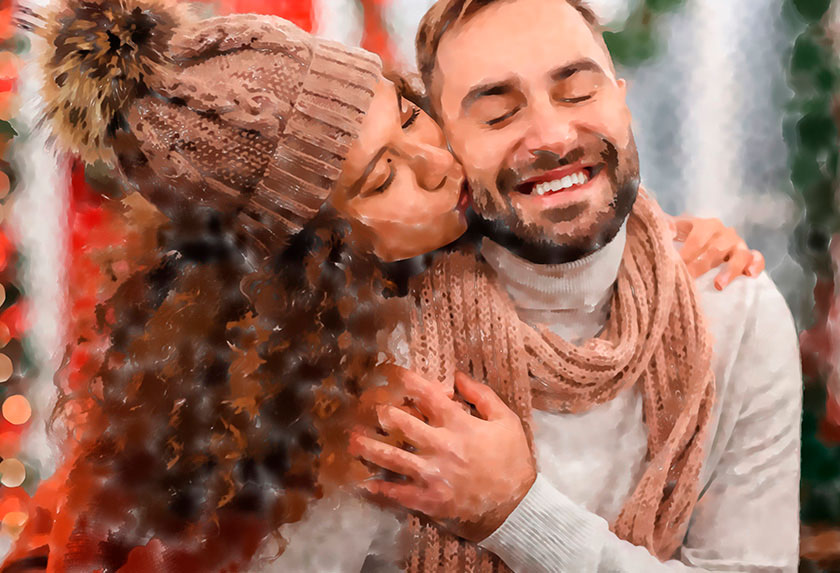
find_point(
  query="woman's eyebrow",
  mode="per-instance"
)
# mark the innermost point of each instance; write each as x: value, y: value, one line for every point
x: 356, y: 187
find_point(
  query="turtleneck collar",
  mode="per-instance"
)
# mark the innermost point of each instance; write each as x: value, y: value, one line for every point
x: 582, y: 285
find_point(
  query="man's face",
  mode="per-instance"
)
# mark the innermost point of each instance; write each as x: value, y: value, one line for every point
x: 532, y: 109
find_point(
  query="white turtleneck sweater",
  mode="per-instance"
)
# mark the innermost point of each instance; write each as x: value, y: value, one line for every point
x: 747, y: 518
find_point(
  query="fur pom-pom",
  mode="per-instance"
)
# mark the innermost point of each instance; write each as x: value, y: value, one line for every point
x: 100, y: 56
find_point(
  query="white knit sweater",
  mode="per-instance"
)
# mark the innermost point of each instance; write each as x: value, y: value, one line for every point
x: 747, y: 516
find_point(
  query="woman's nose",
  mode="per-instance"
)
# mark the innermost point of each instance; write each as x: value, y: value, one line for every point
x: 431, y: 164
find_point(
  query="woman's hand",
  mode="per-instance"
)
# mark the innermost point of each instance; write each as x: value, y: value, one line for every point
x: 707, y: 244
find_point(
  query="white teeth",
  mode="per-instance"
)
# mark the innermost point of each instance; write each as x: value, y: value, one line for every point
x: 560, y: 184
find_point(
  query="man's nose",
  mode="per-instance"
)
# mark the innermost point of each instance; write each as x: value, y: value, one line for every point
x: 431, y: 164
x: 549, y: 128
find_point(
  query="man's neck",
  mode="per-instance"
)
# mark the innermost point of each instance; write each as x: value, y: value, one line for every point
x: 577, y: 284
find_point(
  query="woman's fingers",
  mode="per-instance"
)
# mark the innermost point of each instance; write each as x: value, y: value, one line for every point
x: 738, y: 264
x: 699, y: 238
x: 757, y: 265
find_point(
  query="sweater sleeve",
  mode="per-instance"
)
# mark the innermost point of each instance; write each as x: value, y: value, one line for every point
x: 747, y: 518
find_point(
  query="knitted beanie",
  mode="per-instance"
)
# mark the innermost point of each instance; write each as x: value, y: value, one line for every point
x: 246, y: 114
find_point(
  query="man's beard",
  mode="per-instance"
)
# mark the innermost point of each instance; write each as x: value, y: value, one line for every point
x: 530, y: 241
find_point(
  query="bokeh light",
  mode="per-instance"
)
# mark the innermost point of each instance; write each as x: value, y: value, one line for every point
x: 12, y: 472
x: 16, y: 410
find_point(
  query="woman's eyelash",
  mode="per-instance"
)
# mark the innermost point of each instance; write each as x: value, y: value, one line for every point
x: 382, y: 188
x: 415, y: 113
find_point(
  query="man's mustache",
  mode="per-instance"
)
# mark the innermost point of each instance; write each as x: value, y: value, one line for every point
x: 544, y: 160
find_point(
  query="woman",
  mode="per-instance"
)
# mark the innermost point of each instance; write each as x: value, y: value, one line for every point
x: 236, y: 351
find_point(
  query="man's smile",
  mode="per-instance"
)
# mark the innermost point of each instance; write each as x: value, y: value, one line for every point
x: 563, y: 179
x: 559, y: 187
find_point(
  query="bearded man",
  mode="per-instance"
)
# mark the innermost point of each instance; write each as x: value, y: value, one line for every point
x: 579, y: 403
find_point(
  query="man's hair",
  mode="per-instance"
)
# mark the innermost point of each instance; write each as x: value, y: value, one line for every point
x: 445, y: 14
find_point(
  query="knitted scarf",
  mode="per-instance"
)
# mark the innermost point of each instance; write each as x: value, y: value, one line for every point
x: 655, y: 338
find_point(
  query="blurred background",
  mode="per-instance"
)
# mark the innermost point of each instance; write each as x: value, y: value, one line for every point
x: 736, y: 116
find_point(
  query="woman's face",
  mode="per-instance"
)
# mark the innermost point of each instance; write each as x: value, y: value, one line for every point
x: 401, y: 188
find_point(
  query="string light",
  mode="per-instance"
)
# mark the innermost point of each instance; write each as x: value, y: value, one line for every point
x: 16, y: 410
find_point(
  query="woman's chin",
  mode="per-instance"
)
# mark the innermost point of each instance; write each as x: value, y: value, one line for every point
x: 459, y: 229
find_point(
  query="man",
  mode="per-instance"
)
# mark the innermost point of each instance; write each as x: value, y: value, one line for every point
x: 631, y: 420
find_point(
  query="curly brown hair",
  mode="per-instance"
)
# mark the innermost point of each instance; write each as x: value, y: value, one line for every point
x: 223, y: 383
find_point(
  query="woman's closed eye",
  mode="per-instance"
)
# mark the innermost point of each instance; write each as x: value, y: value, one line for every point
x: 412, y: 117
x: 381, y: 183
x: 408, y: 112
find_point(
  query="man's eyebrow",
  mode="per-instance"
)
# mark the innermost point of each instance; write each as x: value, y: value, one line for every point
x: 569, y: 70
x: 356, y: 187
x: 503, y: 87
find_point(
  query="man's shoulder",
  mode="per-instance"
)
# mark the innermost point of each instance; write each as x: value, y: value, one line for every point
x: 745, y: 300
x: 756, y: 346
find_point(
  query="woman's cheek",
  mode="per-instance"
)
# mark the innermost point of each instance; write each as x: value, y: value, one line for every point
x: 395, y: 240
